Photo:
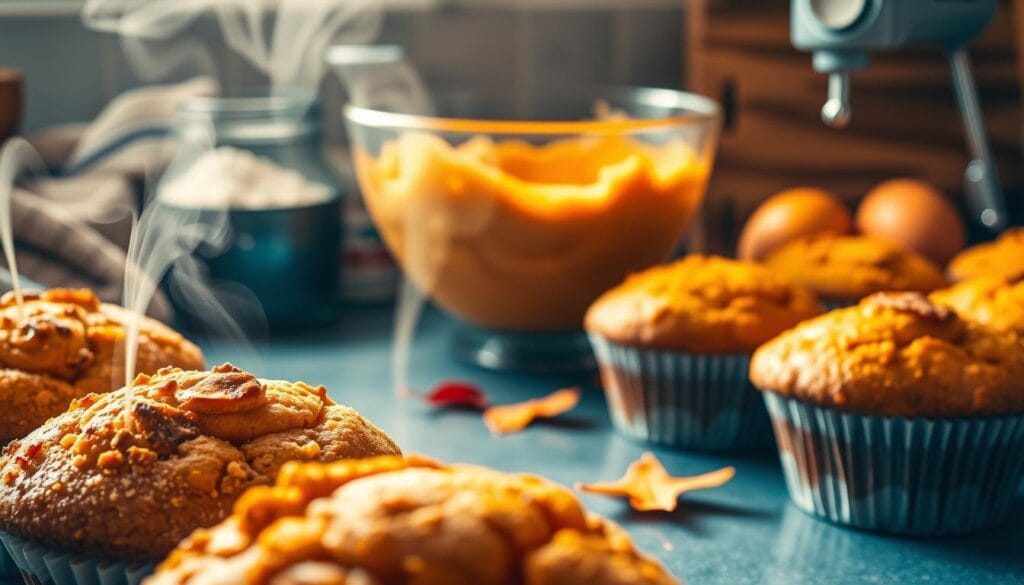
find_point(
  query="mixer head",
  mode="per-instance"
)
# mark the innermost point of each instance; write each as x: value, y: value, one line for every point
x: 842, y: 34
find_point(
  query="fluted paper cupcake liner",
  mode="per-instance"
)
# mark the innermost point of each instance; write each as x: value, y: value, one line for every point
x: 687, y: 400
x: 7, y: 567
x: 40, y: 565
x: 898, y: 475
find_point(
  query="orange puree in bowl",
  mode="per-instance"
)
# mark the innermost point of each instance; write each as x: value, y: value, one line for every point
x: 515, y: 236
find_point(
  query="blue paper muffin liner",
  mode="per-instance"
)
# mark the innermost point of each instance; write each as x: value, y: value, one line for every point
x: 40, y: 565
x: 897, y: 475
x: 8, y: 569
x: 686, y: 400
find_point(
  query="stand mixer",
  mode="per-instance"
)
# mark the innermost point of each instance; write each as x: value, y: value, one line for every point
x: 842, y: 33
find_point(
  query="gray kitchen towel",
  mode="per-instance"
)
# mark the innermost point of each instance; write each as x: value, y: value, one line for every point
x: 56, y: 248
x: 71, y: 229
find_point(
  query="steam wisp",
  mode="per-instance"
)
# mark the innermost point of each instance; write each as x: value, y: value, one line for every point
x: 283, y: 39
x: 16, y: 157
x: 381, y: 77
x: 162, y: 238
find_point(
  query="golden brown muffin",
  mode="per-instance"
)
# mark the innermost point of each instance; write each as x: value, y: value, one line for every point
x: 703, y: 304
x: 851, y: 267
x: 1002, y: 257
x: 895, y: 354
x: 995, y: 301
x: 409, y: 521
x: 130, y: 473
x: 64, y: 344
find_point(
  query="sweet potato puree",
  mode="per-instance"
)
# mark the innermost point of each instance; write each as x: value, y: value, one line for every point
x: 514, y: 236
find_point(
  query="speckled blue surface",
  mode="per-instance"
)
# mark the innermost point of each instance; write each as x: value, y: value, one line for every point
x: 744, y: 532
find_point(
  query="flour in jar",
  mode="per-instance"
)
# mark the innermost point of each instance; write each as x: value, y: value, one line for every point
x: 232, y: 178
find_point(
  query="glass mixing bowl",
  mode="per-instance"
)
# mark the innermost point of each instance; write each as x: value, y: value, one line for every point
x: 516, y: 223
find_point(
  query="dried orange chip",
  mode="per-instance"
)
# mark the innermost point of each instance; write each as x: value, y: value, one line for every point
x: 509, y: 418
x: 649, y: 486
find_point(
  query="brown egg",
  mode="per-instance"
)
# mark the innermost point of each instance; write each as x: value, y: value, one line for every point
x: 913, y: 214
x: 791, y: 214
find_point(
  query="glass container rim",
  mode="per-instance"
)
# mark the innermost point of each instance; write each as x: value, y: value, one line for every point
x: 694, y: 109
x: 252, y: 101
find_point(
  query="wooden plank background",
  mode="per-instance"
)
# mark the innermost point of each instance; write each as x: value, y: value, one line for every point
x: 905, y: 117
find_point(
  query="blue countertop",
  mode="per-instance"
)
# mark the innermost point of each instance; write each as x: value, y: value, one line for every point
x: 744, y: 532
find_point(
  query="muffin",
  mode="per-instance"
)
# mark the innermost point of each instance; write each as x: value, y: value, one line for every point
x: 896, y: 415
x: 390, y: 520
x: 64, y: 344
x: 124, y: 476
x: 673, y: 344
x: 1002, y: 257
x: 842, y: 269
x: 994, y: 301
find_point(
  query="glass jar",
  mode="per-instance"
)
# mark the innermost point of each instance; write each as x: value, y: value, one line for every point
x: 285, y: 249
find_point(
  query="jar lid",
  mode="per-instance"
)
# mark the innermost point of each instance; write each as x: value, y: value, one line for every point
x: 256, y: 116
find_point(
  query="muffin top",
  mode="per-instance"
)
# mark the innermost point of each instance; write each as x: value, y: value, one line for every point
x: 63, y: 344
x: 850, y: 267
x: 896, y: 354
x: 995, y: 301
x: 1002, y: 257
x: 701, y: 304
x: 131, y: 472
x: 393, y: 520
